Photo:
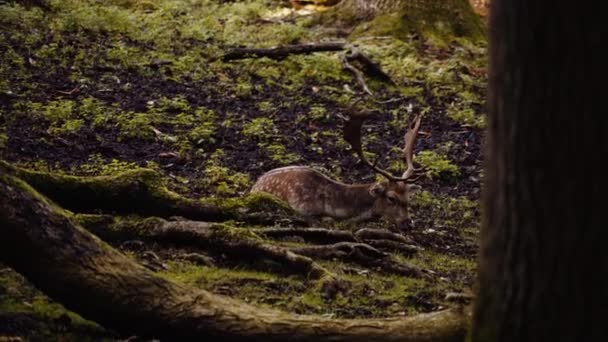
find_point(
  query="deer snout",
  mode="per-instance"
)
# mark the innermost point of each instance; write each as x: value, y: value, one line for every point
x: 404, y: 223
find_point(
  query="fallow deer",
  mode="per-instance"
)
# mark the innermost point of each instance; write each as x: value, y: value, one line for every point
x: 313, y: 194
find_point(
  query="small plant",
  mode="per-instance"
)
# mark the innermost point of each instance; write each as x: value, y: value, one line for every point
x: 466, y: 116
x: 318, y: 113
x: 99, y: 166
x: 436, y: 164
x: 265, y: 106
x: 3, y: 140
x: 135, y: 125
x: 260, y: 129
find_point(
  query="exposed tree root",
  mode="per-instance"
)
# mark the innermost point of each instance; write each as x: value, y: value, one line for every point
x: 142, y: 192
x: 235, y: 243
x: 378, y: 238
x: 360, y: 253
x: 317, y: 235
x: 365, y: 234
x: 72, y: 266
x: 388, y: 245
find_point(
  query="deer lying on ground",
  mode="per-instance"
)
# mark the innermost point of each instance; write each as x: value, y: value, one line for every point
x: 313, y: 194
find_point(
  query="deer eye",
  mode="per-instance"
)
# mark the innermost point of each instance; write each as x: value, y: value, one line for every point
x: 391, y: 199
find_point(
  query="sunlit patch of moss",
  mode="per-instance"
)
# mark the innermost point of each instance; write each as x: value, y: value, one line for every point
x: 248, y: 285
x: 322, y: 67
x: 74, y: 17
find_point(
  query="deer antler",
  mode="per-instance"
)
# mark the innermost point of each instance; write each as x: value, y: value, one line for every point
x: 408, y: 150
x: 352, y: 134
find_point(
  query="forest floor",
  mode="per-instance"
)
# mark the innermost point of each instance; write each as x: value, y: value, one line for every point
x: 98, y: 89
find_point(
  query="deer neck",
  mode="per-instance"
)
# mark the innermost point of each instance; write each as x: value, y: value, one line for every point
x: 351, y: 201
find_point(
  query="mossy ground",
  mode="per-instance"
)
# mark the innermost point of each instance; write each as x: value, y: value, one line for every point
x: 96, y: 88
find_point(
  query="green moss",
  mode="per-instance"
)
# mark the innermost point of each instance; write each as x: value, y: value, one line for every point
x: 437, y: 21
x: 18, y: 296
x: 266, y: 106
x: 260, y: 129
x: 445, y: 212
x: 466, y: 116
x: 436, y: 164
x: 98, y: 165
x: 3, y: 140
x: 135, y: 125
x: 224, y: 181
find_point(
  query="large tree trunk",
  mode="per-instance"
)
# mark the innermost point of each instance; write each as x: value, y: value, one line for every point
x: 438, y: 19
x: 74, y: 267
x: 543, y: 264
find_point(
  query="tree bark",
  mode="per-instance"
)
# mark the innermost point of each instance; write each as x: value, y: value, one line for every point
x: 74, y: 267
x: 543, y: 260
x: 441, y: 19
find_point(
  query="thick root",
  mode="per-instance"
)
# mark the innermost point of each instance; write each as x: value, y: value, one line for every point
x: 235, y: 243
x: 359, y: 253
x: 40, y: 241
x: 142, y: 192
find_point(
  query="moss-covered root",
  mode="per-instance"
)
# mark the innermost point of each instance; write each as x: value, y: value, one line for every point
x: 142, y: 192
x: 237, y: 244
x: 383, y: 240
x: 362, y: 254
x: 316, y: 235
x: 89, y: 277
x: 387, y: 240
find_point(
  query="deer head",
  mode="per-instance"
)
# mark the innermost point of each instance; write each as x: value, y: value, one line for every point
x: 393, y: 195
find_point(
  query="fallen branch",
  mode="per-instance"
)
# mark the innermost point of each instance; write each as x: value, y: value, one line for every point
x: 280, y: 52
x: 75, y: 268
x: 356, y: 72
x: 369, y: 67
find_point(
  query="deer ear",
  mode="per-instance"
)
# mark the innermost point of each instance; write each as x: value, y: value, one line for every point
x: 377, y: 190
x: 412, y: 189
